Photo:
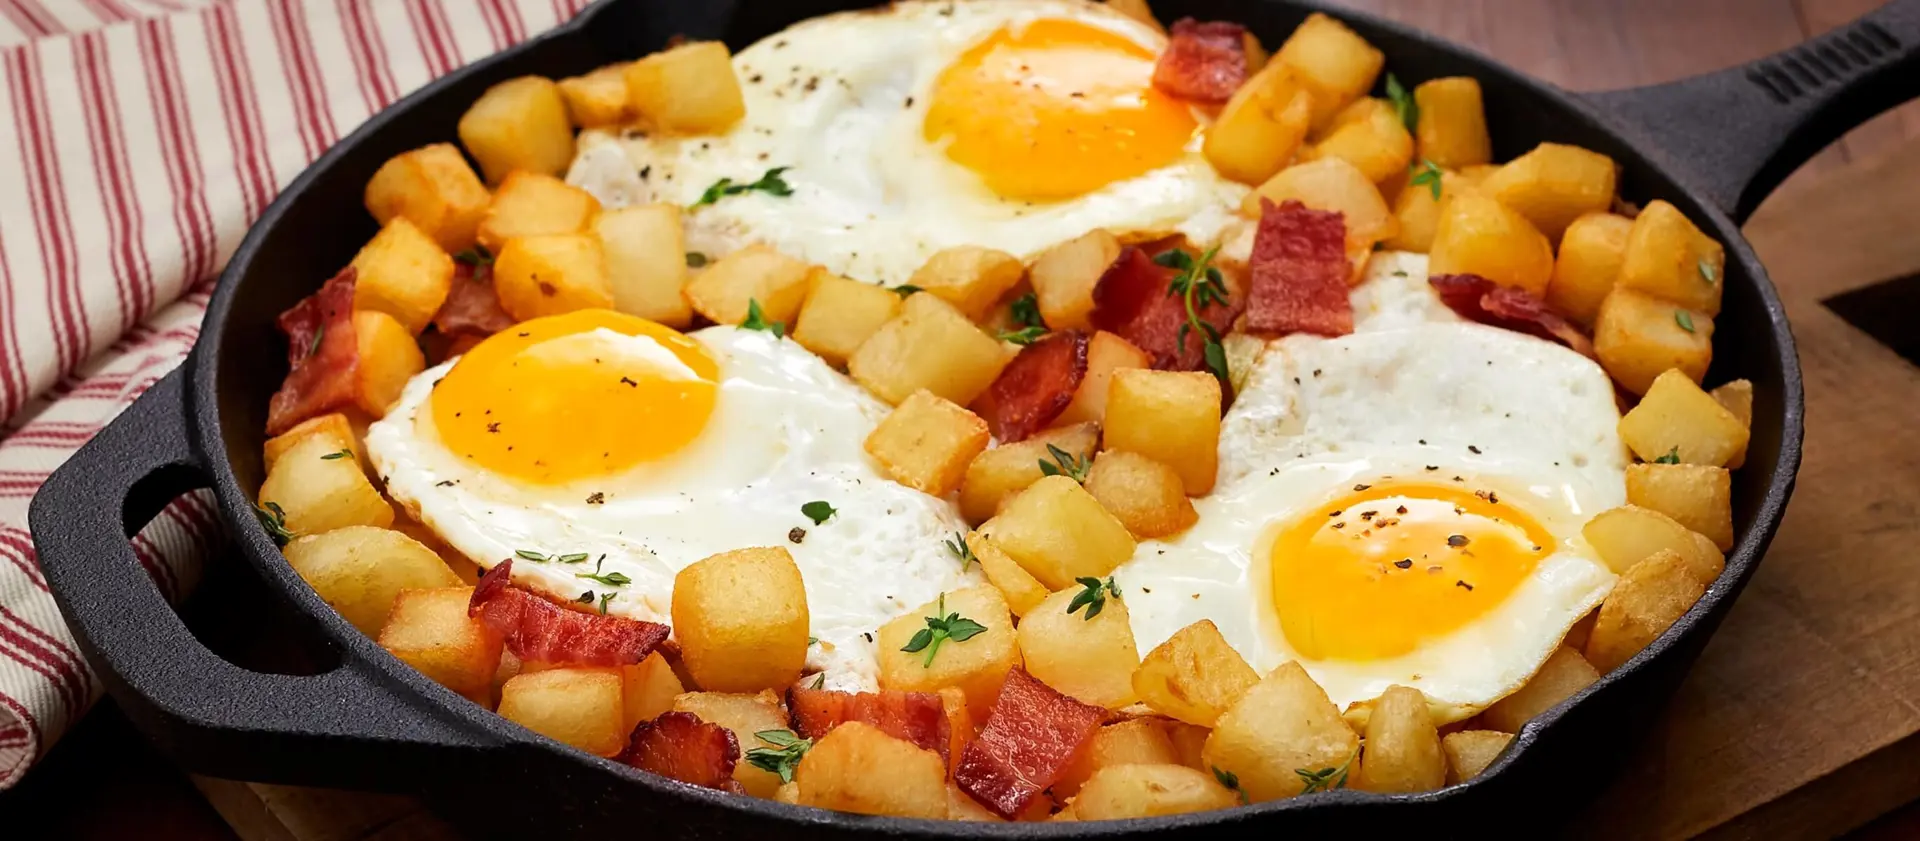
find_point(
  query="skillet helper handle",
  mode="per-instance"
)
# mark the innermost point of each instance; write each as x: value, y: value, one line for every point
x: 209, y: 714
x: 1743, y: 130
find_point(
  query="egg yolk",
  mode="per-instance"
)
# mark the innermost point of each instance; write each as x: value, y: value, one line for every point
x: 574, y: 396
x: 1054, y: 110
x: 1377, y: 572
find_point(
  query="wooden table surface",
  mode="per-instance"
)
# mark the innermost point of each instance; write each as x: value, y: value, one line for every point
x: 1830, y: 625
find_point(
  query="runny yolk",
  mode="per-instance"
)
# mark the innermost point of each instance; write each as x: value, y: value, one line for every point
x: 555, y: 399
x: 1375, y: 573
x: 1054, y: 110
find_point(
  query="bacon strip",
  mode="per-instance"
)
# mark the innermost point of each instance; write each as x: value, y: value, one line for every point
x: 1134, y: 301
x: 1035, y: 387
x: 539, y: 630
x: 1203, y: 62
x: 1300, y: 268
x: 1481, y: 300
x: 917, y: 717
x: 680, y: 746
x: 323, y: 357
x: 471, y: 305
x: 1030, y: 738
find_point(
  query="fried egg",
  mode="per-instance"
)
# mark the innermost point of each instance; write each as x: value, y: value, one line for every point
x: 1401, y: 505
x: 620, y: 451
x: 907, y: 129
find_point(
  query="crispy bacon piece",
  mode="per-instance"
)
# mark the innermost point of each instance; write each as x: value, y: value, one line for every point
x: 323, y: 358
x: 680, y: 746
x: 1134, y: 300
x: 1481, y: 300
x: 1030, y: 737
x: 1300, y: 268
x: 536, y: 629
x: 1035, y: 387
x: 470, y: 313
x: 918, y: 717
x: 1203, y: 62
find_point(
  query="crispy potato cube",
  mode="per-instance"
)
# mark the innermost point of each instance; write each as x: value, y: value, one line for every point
x: 1172, y: 417
x: 1058, y: 532
x: 598, y: 99
x: 1452, y: 128
x: 1676, y: 419
x: 333, y: 428
x: 962, y: 807
x: 927, y: 442
x: 1553, y: 185
x: 1639, y: 337
x: 1591, y: 252
x: 1669, y: 258
x: 530, y: 204
x: 1147, y: 496
x: 857, y: 768
x: 1063, y: 278
x: 1261, y: 126
x: 1194, y: 676
x: 435, y: 189
x: 647, y: 690
x: 960, y: 732
x: 930, y: 346
x: 1089, y: 657
x: 1737, y: 396
x: 1188, y: 742
x: 976, y: 666
x: 578, y: 707
x: 1134, y: 741
x: 389, y: 357
x: 430, y: 631
x: 1334, y: 63
x: 1416, y: 212
x: 360, y: 570
x: 745, y: 715
x: 1403, y: 746
x: 969, y: 277
x: 1564, y: 673
x: 646, y: 265
x: 550, y: 275
x: 1695, y: 495
x: 727, y: 289
x: 1136, y: 9
x: 1646, y: 600
x: 840, y: 314
x: 741, y: 620
x: 1479, y: 235
x: 997, y: 474
x: 403, y: 273
x: 1022, y: 591
x: 1284, y: 722
x: 1470, y: 751
x: 1370, y: 135
x: 1106, y: 353
x: 1149, y: 791
x: 688, y: 89
x: 519, y: 124
x: 1331, y: 184
x: 320, y: 494
x: 1629, y: 534
x: 1577, y: 635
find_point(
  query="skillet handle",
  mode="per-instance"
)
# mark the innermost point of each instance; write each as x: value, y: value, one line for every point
x: 1743, y: 130
x: 209, y: 714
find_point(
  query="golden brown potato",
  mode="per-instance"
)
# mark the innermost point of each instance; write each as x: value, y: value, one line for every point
x: 1058, y: 532
x: 1172, y: 417
x: 647, y: 690
x: 531, y: 204
x: 519, y: 124
x: 1669, y: 258
x: 554, y: 274
x: 1416, y: 212
x: 840, y: 314
x: 1370, y: 135
x: 1147, y: 496
x: 727, y: 289
x: 1470, y: 751
x: 1334, y: 63
x: 960, y: 732
x: 430, y: 631
x: 1403, y: 746
x: 1331, y: 184
x: 1647, y: 599
x: 962, y: 807
x: 1280, y: 727
x: 334, y: 429
x: 1022, y: 591
x: 1087, y: 654
x: 1695, y: 495
x: 1678, y: 422
x: 931, y: 346
x: 1188, y: 742
x: 317, y: 490
x: 1134, y: 741
x: 969, y: 277
x: 976, y: 666
x: 577, y: 707
x: 1629, y: 534
x: 745, y: 715
x: 1639, y: 337
x: 389, y: 357
x: 1479, y: 235
x: 598, y: 99
x: 1106, y: 353
x: 360, y: 570
x: 403, y: 273
x: 844, y: 772
x: 1149, y: 791
x: 741, y: 620
x: 1564, y: 673
x: 997, y: 474
x: 927, y: 442
x: 1261, y: 126
x: 1452, y: 128
x: 1063, y: 278
x: 1194, y: 676
x: 435, y: 189
x: 1737, y: 396
x: 1591, y: 252
x: 1553, y: 185
x: 688, y: 89
x: 646, y: 265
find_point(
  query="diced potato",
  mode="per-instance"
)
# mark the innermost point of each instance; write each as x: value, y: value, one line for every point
x: 1243, y: 352
x: 320, y: 494
x: 1737, y: 396
x: 646, y: 264
x: 962, y: 807
x: 1577, y: 635
x: 1676, y: 419
x: 430, y: 631
x: 1669, y: 258
x: 1147, y: 496
x: 1479, y: 235
x: 997, y: 474
x: 1591, y: 252
x: 1416, y: 212
x: 1194, y: 676
x: 403, y: 273
x: 1331, y: 184
x: 1149, y: 791
x: 1106, y: 353
x: 788, y: 793
x: 1564, y: 673
x: 1452, y: 128
x: 389, y: 357
x: 1639, y: 337
x: 976, y: 666
x: 1172, y: 417
x: 688, y: 89
x: 1261, y: 126
x: 1553, y: 185
x: 969, y: 277
x: 1283, y: 724
x: 741, y: 620
x: 745, y: 715
x: 1022, y: 591
x: 360, y: 570
x: 1063, y: 278
x: 927, y: 442
x: 551, y: 275
x: 1188, y: 742
x: 519, y: 124
x: 1135, y: 741
x: 726, y: 289
x: 840, y: 314
x: 577, y: 707
x: 1403, y: 746
x: 1629, y: 534
x: 647, y: 689
x: 1646, y: 600
x: 960, y: 729
x: 931, y: 346
x: 1090, y: 657
x: 435, y: 189
x: 1333, y: 62
x: 1470, y: 751
x: 1058, y: 532
x: 844, y: 772
x: 530, y: 204
x: 1370, y: 135
x: 598, y: 99
x: 1696, y: 496
x: 1136, y: 9
x: 333, y: 428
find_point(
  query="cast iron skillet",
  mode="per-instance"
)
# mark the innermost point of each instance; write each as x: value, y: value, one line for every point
x: 1713, y: 145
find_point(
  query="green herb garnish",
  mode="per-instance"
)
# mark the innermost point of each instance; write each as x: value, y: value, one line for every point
x: 771, y: 183
x: 1092, y: 596
x: 756, y: 320
x: 274, y: 520
x: 1199, y: 284
x: 958, y: 546
x: 1023, y: 336
x: 942, y: 627
x: 337, y: 455
x: 1427, y: 173
x: 477, y: 257
x: 611, y: 579
x: 1684, y: 319
x: 1026, y: 311
x: 1707, y: 272
x: 604, y: 598
x: 585, y: 597
x: 313, y: 350
x: 1325, y: 779
x: 569, y: 558
x: 529, y: 554
x: 1231, y: 781
x: 1672, y: 457
x: 785, y: 754
x: 1403, y: 103
x: 905, y: 290
x: 1065, y: 464
x: 818, y: 511
x: 820, y: 681
x: 696, y: 260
